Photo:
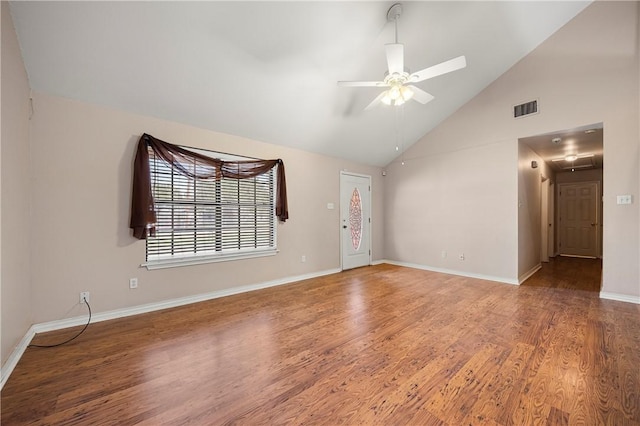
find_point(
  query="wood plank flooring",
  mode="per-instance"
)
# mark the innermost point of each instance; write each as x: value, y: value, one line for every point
x: 572, y: 273
x: 381, y: 345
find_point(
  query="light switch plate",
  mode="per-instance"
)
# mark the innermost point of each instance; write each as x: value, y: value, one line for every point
x: 624, y: 199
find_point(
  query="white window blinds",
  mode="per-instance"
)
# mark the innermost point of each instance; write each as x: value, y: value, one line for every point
x: 213, y: 219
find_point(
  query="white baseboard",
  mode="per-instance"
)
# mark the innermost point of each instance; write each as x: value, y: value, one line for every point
x: 452, y: 272
x: 529, y: 273
x: 14, y: 357
x: 620, y: 297
x: 17, y: 353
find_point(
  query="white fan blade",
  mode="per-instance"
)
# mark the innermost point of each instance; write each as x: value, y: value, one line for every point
x: 362, y: 83
x: 420, y: 95
x: 436, y: 70
x: 395, y: 57
x: 375, y: 102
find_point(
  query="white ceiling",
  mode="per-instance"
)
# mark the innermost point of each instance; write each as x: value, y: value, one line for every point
x: 586, y: 142
x: 268, y: 70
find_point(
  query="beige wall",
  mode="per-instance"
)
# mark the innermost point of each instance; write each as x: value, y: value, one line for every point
x: 15, y: 192
x: 594, y: 175
x: 454, y: 202
x: 587, y: 72
x: 82, y: 162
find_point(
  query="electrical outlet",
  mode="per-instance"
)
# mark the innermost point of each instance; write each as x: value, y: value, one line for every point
x: 133, y: 283
x: 84, y: 296
x: 303, y: 258
x: 461, y: 256
x: 443, y: 254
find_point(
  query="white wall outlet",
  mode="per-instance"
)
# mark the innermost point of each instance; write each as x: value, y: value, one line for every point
x: 84, y: 296
x: 133, y: 283
x: 331, y: 206
x: 461, y: 256
x: 303, y: 258
x: 443, y: 254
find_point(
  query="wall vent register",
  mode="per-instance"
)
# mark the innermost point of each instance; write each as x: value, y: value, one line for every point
x: 526, y: 108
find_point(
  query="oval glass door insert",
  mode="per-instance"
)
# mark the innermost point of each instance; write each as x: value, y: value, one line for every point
x: 355, y: 219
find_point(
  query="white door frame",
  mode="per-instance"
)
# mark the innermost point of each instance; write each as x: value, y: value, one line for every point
x: 367, y: 221
x: 552, y: 220
x: 544, y: 220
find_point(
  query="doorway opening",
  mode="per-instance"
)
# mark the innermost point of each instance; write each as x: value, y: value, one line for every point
x: 561, y: 185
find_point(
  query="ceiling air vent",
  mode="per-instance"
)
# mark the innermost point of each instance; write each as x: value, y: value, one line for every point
x: 526, y: 108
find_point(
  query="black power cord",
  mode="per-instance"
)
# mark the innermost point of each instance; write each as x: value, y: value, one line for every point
x: 68, y: 340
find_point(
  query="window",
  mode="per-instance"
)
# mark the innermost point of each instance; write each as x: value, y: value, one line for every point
x: 209, y: 220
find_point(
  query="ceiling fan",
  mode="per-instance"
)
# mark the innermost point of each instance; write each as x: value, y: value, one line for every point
x: 398, y: 79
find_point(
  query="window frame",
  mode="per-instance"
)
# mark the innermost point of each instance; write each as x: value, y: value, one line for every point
x: 155, y: 261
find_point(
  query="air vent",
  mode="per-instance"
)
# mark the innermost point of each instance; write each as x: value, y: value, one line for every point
x: 525, y: 109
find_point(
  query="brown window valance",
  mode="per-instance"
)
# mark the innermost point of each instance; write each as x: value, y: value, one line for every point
x: 143, y: 215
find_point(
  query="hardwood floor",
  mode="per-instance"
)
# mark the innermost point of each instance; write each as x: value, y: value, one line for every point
x: 572, y: 273
x: 378, y: 345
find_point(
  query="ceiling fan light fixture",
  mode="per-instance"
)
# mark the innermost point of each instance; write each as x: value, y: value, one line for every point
x: 406, y: 93
x: 397, y: 75
x: 395, y: 93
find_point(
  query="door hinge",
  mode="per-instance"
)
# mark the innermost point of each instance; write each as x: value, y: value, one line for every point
x: 369, y: 220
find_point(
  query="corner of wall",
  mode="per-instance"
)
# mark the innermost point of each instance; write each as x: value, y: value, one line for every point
x: 15, y: 206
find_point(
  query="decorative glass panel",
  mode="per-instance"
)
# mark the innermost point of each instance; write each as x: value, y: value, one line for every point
x: 355, y: 218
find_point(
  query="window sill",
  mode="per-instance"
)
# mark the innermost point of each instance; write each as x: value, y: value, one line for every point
x: 199, y: 260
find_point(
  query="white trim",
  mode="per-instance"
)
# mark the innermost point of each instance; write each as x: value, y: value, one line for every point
x: 17, y: 353
x: 14, y: 357
x: 620, y: 297
x: 452, y: 272
x: 577, y: 256
x: 200, y: 259
x: 346, y: 172
x: 529, y: 273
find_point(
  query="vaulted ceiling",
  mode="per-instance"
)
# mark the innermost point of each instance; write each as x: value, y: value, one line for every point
x: 268, y: 70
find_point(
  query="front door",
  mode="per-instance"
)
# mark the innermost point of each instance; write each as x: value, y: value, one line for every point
x: 355, y: 220
x: 579, y: 219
